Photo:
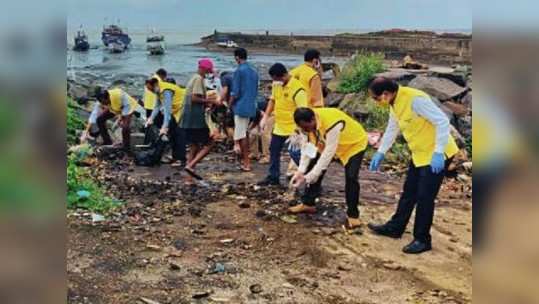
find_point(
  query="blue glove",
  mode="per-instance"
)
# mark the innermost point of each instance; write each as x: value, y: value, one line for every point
x: 437, y: 163
x: 377, y: 159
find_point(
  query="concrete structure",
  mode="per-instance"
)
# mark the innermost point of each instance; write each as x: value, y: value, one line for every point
x: 421, y: 45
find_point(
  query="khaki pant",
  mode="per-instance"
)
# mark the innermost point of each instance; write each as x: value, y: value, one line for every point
x: 260, y: 141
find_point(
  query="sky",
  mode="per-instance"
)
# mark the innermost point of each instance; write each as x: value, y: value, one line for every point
x: 284, y: 15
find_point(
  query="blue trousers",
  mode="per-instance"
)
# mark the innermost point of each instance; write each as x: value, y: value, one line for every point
x: 276, y: 146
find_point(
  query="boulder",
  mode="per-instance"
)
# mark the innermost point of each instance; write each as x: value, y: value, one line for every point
x: 460, y: 77
x: 400, y: 75
x: 440, y: 88
x: 333, y: 100
x: 457, y: 108
x: 467, y: 100
x: 464, y: 126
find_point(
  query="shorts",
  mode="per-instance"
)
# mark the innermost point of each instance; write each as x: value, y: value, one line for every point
x: 241, y: 126
x: 197, y: 136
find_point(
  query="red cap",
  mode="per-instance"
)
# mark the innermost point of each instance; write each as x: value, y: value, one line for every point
x: 206, y: 64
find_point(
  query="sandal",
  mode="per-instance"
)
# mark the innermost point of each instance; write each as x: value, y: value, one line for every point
x: 193, y: 174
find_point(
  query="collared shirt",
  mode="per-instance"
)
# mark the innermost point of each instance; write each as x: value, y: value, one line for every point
x: 245, y: 90
x: 165, y: 105
x: 97, y: 110
x: 427, y: 109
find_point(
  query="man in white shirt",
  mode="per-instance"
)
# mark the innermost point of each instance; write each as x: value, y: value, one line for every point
x: 426, y: 130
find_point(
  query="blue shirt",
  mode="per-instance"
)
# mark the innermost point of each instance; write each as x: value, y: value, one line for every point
x: 245, y: 90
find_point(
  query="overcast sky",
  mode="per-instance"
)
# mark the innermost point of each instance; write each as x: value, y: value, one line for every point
x: 273, y: 14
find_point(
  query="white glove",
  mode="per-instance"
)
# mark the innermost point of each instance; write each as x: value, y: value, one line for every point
x: 84, y: 137
x: 295, y: 142
x: 148, y: 123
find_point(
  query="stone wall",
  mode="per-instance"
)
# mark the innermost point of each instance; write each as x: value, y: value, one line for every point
x: 447, y: 49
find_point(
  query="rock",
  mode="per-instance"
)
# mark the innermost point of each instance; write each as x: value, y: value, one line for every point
x: 456, y: 108
x: 333, y: 100
x: 467, y: 100
x: 290, y: 219
x: 440, y: 88
x: 400, y: 75
x: 227, y: 241
x: 255, y: 288
x: 464, y: 126
x: 219, y: 299
x: 344, y: 267
x: 201, y: 294
x: 180, y: 244
x: 355, y: 104
x: 391, y: 266
x: 463, y: 177
x: 174, y: 266
x: 153, y: 247
x: 244, y: 205
x: 467, y: 166
x: 447, y: 111
x: 459, y: 78
x: 148, y: 301
x: 288, y: 285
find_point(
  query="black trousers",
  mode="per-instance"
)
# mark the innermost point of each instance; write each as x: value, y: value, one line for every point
x: 177, y: 140
x: 102, y: 125
x: 421, y: 187
x: 351, y: 186
x: 148, y: 138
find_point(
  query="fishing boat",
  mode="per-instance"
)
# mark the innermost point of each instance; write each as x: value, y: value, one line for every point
x: 155, y: 43
x: 81, y: 41
x: 115, y: 35
x: 227, y: 44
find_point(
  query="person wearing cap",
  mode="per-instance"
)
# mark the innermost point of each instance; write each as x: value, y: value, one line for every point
x: 243, y: 102
x: 112, y: 103
x: 197, y: 132
x: 426, y: 130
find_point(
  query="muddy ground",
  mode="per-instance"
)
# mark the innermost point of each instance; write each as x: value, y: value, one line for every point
x: 227, y: 241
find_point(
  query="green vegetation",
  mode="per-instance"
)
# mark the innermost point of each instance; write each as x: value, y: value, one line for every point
x: 79, y: 182
x: 378, y: 116
x: 358, y: 71
x: 74, y: 122
x: 82, y: 190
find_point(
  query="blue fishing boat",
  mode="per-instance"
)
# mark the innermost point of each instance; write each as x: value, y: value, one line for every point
x: 113, y: 34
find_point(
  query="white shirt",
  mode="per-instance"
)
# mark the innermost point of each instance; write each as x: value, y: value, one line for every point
x: 426, y: 108
x: 331, y: 144
x: 97, y: 110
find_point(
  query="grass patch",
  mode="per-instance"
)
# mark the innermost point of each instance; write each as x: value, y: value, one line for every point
x: 82, y: 190
x: 358, y: 71
x: 79, y: 180
x: 74, y: 122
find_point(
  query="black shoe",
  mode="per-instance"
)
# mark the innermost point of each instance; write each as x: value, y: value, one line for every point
x: 417, y: 247
x: 268, y: 181
x: 384, y: 230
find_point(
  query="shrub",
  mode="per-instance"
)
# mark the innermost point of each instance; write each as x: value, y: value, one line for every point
x: 358, y: 71
x: 74, y: 122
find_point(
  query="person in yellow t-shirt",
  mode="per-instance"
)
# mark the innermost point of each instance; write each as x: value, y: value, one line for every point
x: 309, y: 73
x: 330, y: 133
x: 288, y: 94
x: 426, y: 130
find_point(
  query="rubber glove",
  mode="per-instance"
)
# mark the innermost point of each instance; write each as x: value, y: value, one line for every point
x: 377, y: 159
x: 437, y: 163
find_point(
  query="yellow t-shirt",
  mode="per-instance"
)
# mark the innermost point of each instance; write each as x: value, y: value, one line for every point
x: 287, y: 99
